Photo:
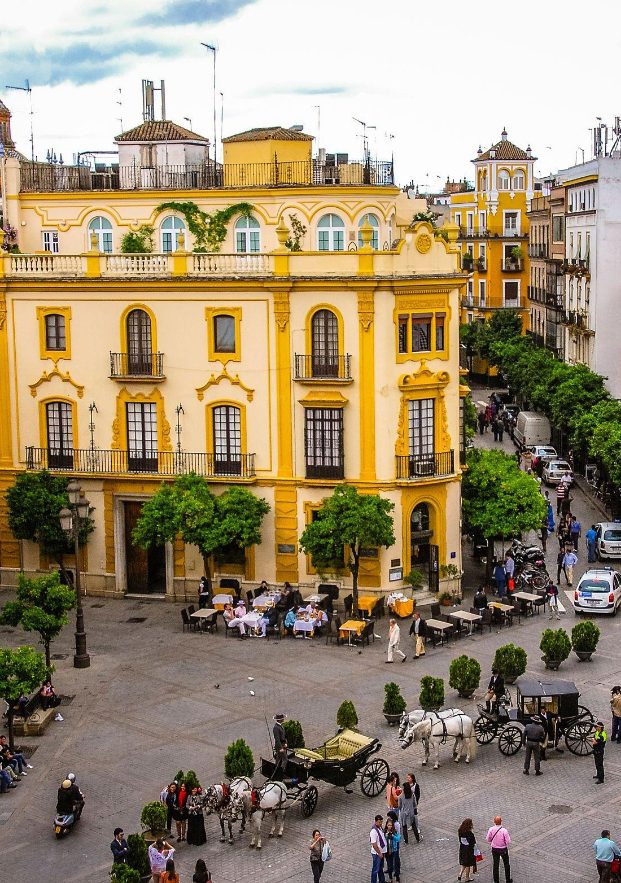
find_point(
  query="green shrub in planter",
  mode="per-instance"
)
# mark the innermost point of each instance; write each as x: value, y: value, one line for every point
x: 510, y: 661
x: 464, y: 675
x: 584, y: 636
x: 394, y: 703
x: 295, y: 736
x: 238, y: 760
x: 431, y: 692
x: 124, y: 874
x: 346, y: 716
x: 153, y: 816
x: 555, y: 646
x: 179, y: 777
x: 138, y: 855
x: 191, y: 780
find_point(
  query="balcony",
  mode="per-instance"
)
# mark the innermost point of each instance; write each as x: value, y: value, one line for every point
x: 101, y: 462
x: 512, y: 233
x: 421, y: 466
x: 511, y: 265
x: 538, y: 251
x: 473, y: 233
x: 137, y: 366
x: 317, y: 368
x: 577, y: 319
x: 331, y: 472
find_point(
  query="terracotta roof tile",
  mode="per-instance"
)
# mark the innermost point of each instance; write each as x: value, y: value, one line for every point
x: 270, y: 133
x: 506, y: 150
x: 159, y: 130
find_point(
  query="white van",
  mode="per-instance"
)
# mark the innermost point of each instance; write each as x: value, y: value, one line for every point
x: 531, y: 428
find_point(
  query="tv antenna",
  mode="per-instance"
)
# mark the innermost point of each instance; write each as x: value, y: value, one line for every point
x: 365, y: 139
x: 120, y: 104
x: 27, y: 89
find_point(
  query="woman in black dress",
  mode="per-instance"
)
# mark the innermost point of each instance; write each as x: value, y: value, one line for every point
x: 467, y: 842
x: 196, y: 819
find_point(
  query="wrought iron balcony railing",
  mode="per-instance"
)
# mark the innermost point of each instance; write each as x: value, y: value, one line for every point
x: 157, y: 462
x: 124, y: 365
x: 322, y: 367
x: 416, y: 466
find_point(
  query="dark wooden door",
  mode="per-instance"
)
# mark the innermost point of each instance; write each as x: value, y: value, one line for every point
x: 146, y: 570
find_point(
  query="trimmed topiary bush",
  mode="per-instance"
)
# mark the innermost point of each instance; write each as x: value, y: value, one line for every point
x: 295, y: 736
x: 238, y: 760
x: 138, y: 855
x: 124, y: 874
x: 464, y: 675
x: 584, y: 636
x: 394, y: 703
x: 153, y: 816
x: 555, y: 646
x: 431, y: 692
x: 510, y: 661
x: 346, y: 716
x: 191, y: 780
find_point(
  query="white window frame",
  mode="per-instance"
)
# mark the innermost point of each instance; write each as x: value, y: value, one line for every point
x: 482, y: 292
x: 482, y: 222
x: 50, y: 241
x: 506, y: 282
x: 469, y: 222
x: 501, y: 179
x: 483, y: 250
x: 335, y: 233
x: 519, y: 173
x: 458, y: 218
x: 511, y: 213
x: 247, y: 235
x: 102, y: 228
x: 170, y: 230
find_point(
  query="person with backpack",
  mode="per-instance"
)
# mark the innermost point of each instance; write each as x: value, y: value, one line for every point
x: 320, y: 853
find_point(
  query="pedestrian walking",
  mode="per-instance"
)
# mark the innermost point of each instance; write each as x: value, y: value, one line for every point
x: 570, y: 559
x: 561, y: 493
x: 575, y: 531
x: 535, y: 736
x: 467, y: 843
x: 559, y: 565
x: 591, y: 544
x: 550, y: 516
x: 615, y: 707
x: 419, y: 630
x: 201, y: 873
x: 543, y: 533
x: 606, y: 852
x: 394, y: 640
x: 499, y: 839
x: 495, y: 428
x: 119, y: 847
x: 552, y: 593
x: 481, y: 421
x: 316, y: 854
x: 501, y: 428
x: 378, y: 851
x: 599, y: 746
x: 500, y: 578
x: 393, y: 841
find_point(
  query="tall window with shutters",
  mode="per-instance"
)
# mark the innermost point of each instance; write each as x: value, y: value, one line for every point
x: 325, y: 344
x: 139, y: 343
x: 55, y: 337
x: 323, y: 440
x: 421, y: 428
x: 142, y: 436
x: 59, y: 425
x: 227, y: 440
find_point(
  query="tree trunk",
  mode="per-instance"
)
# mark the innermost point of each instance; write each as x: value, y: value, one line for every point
x: 488, y: 564
x: 10, y: 726
x: 354, y: 580
x: 48, y: 659
x: 207, y: 569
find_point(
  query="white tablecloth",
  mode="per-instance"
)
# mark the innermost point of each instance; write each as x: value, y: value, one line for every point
x: 251, y: 619
x: 222, y: 599
x: 302, y: 626
x: 265, y: 601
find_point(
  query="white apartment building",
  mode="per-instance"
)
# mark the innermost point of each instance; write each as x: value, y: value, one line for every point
x: 592, y: 313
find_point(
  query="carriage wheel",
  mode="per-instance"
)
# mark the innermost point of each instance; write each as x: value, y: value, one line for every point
x: 309, y: 801
x: 374, y: 777
x: 484, y: 730
x: 579, y: 736
x: 510, y: 741
x: 585, y: 714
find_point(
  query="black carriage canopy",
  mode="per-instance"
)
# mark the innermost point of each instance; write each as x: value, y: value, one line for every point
x: 531, y: 687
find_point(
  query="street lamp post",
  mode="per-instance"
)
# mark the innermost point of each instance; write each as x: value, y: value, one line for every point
x: 71, y: 520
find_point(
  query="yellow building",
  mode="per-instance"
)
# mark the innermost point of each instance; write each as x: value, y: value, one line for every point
x: 284, y: 371
x: 493, y: 230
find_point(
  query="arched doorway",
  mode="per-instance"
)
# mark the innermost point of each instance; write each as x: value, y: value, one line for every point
x: 421, y: 536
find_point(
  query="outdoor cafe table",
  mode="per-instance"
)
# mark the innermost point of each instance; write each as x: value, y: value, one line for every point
x: 528, y: 600
x: 352, y: 626
x: 315, y: 599
x: 402, y: 607
x: 366, y: 603
x: 202, y: 614
x: 444, y: 628
x: 301, y: 626
x: 220, y: 601
x: 466, y: 616
x: 263, y: 601
x: 505, y: 609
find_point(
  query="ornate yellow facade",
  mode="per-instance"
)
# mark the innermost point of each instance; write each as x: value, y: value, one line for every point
x: 285, y: 371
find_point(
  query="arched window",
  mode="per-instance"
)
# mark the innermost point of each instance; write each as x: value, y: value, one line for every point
x: 483, y: 180
x: 325, y: 344
x: 171, y: 229
x: 421, y: 535
x: 102, y: 228
x: 139, y: 345
x: 59, y: 427
x: 247, y: 235
x: 504, y: 181
x: 330, y: 233
x: 518, y: 180
x: 227, y: 440
x: 373, y: 221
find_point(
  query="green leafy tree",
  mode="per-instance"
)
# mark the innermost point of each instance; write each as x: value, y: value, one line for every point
x: 41, y: 606
x: 238, y: 760
x: 140, y: 242
x: 208, y: 230
x: 294, y: 734
x: 22, y: 671
x: 34, y: 502
x: 352, y: 521
x: 346, y: 715
x: 188, y: 509
x: 297, y: 234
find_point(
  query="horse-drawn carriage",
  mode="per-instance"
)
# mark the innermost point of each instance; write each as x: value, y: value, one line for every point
x: 559, y: 699
x: 339, y: 761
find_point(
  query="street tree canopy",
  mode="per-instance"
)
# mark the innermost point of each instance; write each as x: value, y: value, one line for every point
x: 22, y: 671
x: 352, y: 521
x: 41, y: 606
x: 188, y: 509
x: 498, y: 499
x: 34, y: 503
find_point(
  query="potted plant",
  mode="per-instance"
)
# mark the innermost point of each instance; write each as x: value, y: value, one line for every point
x: 467, y: 260
x: 415, y: 579
x: 346, y: 716
x: 510, y: 661
x: 431, y: 695
x: 153, y: 819
x: 464, y: 675
x: 452, y: 575
x: 515, y: 256
x: 555, y: 646
x: 138, y: 856
x: 124, y: 874
x: 238, y: 760
x: 445, y: 598
x: 394, y: 703
x: 295, y: 736
x: 584, y: 638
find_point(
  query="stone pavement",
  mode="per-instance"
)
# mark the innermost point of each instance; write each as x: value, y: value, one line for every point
x: 156, y: 699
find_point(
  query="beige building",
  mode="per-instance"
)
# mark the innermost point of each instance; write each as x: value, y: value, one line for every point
x: 286, y: 371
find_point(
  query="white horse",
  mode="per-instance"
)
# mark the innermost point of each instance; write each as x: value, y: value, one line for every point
x: 410, y: 718
x: 225, y: 800
x: 271, y: 799
x: 435, y: 733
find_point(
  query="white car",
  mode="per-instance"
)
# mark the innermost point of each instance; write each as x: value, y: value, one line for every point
x: 555, y: 471
x: 543, y: 452
x: 608, y: 539
x: 599, y: 591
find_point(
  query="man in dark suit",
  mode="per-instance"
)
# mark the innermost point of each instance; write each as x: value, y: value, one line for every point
x: 495, y: 689
x: 119, y: 847
x: 280, y: 745
x: 419, y: 630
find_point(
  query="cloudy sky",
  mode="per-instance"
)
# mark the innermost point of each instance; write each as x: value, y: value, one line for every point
x: 435, y: 79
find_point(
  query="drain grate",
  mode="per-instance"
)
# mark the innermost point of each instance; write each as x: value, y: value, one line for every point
x: 137, y: 619
x: 560, y: 809
x: 97, y: 605
x: 59, y: 655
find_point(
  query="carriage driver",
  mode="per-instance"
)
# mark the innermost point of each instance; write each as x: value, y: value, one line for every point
x: 280, y: 745
x: 495, y: 689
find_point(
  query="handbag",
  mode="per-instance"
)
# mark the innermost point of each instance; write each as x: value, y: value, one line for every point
x: 615, y: 866
x: 478, y: 855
